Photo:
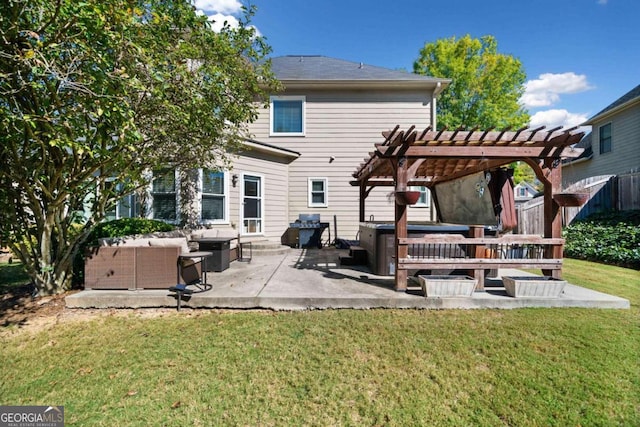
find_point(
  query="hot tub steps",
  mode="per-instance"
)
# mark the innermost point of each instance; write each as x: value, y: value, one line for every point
x: 357, y: 256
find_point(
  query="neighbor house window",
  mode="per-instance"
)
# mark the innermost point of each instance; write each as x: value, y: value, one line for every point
x: 214, y: 199
x: 425, y: 196
x: 522, y: 192
x: 318, y: 193
x: 287, y: 115
x: 163, y: 192
x: 605, y: 138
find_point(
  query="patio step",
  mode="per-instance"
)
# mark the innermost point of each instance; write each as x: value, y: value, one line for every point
x: 266, y: 248
x: 357, y: 256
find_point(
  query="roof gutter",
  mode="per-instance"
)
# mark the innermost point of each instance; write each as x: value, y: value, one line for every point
x: 615, y: 110
x: 436, y: 85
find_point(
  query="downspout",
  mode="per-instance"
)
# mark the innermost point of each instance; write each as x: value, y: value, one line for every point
x: 436, y: 91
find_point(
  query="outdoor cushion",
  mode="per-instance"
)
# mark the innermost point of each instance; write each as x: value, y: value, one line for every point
x: 205, y: 233
x: 123, y: 241
x: 171, y: 241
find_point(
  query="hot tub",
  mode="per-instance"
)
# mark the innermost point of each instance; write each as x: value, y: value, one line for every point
x: 378, y: 240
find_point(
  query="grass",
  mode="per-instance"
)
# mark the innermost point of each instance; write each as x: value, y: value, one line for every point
x: 12, y: 276
x: 525, y: 367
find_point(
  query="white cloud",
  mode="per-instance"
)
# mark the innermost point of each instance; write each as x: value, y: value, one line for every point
x: 559, y: 117
x: 218, y: 20
x: 602, y: 1
x: 547, y: 88
x: 227, y: 7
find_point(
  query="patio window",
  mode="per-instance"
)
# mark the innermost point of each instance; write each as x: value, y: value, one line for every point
x: 213, y: 197
x: 287, y: 115
x: 425, y: 196
x: 163, y: 192
x: 126, y: 207
x: 605, y: 138
x: 318, y: 193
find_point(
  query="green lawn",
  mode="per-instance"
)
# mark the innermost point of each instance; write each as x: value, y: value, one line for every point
x: 525, y: 367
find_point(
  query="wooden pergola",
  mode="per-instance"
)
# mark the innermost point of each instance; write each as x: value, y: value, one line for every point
x: 429, y: 157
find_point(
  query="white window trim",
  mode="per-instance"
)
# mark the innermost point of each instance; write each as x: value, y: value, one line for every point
x: 421, y: 189
x: 304, y: 115
x: 150, y: 199
x: 225, y: 220
x: 263, y: 206
x: 310, y: 203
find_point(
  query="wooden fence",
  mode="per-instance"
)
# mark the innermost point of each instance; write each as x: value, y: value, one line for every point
x: 607, y: 192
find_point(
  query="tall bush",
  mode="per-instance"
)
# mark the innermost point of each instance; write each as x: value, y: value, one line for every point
x: 609, y: 237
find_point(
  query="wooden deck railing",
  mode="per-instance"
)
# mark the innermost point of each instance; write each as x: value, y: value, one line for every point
x: 451, y: 251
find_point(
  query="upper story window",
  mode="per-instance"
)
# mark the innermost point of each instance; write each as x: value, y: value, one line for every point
x: 318, y: 193
x: 214, y: 199
x: 163, y: 192
x: 522, y: 192
x: 605, y: 138
x: 425, y: 196
x: 287, y: 115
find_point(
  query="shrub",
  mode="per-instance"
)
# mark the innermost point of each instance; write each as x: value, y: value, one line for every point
x: 608, y: 237
x: 128, y: 227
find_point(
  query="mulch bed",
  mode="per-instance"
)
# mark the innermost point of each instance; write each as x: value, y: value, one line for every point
x: 18, y: 306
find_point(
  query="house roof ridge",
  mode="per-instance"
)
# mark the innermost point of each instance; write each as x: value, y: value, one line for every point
x: 320, y: 68
x: 628, y: 97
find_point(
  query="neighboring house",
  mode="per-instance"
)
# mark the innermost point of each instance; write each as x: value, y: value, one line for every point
x: 613, y: 146
x: 523, y: 192
x: 305, y: 147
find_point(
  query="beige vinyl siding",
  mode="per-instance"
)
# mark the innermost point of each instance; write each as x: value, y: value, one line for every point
x: 274, y: 170
x: 625, y: 148
x: 345, y: 125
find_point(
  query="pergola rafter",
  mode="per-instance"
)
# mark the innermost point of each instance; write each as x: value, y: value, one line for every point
x: 428, y: 157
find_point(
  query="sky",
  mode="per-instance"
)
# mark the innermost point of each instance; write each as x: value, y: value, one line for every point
x: 579, y: 55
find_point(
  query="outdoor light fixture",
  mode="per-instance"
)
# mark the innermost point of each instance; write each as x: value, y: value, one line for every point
x: 234, y: 180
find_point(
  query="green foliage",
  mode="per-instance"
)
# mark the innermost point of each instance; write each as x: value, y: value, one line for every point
x: 522, y: 172
x: 486, y: 85
x: 95, y: 93
x: 128, y: 227
x: 610, y: 237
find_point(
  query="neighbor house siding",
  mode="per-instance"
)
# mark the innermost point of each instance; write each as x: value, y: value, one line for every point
x: 625, y: 148
x: 345, y: 125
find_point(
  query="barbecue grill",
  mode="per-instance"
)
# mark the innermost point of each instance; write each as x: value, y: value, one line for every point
x: 310, y: 230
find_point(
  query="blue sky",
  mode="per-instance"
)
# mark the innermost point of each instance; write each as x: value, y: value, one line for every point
x: 579, y: 55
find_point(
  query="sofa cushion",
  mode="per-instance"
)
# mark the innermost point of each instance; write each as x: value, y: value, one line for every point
x: 171, y: 241
x: 124, y: 241
x: 204, y: 233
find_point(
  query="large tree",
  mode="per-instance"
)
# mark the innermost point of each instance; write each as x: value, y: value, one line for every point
x: 486, y: 85
x: 95, y: 93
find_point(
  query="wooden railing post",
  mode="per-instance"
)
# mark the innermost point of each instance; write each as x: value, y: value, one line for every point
x: 477, y: 231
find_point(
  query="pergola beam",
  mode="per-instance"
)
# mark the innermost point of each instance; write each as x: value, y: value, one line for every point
x: 486, y: 152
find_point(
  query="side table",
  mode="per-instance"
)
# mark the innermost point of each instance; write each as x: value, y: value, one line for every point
x: 200, y: 282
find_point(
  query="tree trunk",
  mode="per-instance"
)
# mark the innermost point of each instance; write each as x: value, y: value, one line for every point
x: 54, y: 273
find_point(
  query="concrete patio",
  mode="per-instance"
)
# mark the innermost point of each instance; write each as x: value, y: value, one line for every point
x: 313, y: 279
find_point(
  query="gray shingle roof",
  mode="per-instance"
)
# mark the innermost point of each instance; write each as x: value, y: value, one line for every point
x: 322, y: 68
x: 629, y: 96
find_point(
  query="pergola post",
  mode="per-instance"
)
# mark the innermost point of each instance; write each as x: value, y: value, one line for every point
x: 552, y: 211
x: 363, y: 196
x: 401, y: 251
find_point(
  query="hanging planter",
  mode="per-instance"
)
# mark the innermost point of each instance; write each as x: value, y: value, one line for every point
x: 407, y: 197
x: 571, y: 199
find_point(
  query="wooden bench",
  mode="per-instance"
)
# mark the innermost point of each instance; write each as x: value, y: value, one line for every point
x: 456, y: 252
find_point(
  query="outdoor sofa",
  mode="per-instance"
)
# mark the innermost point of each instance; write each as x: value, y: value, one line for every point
x: 148, y: 261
